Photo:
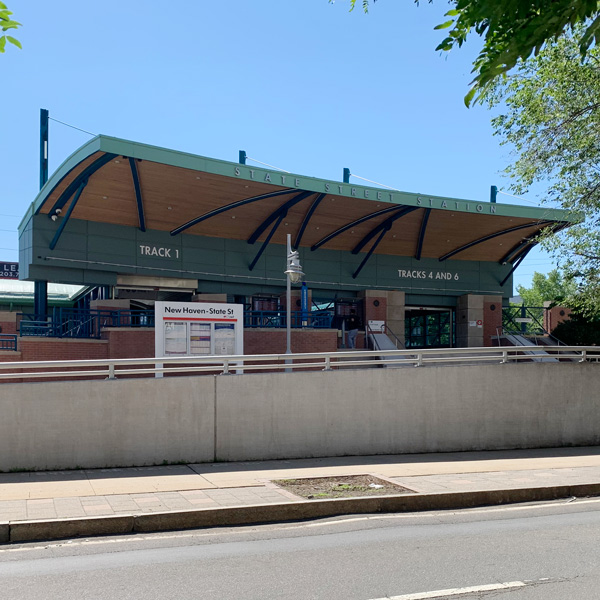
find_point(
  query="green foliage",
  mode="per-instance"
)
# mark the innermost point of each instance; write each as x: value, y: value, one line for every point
x: 551, y: 118
x: 553, y: 287
x: 578, y: 331
x: 513, y: 30
x: 6, y: 24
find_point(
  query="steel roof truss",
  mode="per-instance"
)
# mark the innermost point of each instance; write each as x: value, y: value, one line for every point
x: 517, y: 263
x: 282, y: 210
x: 492, y: 236
x: 385, y: 225
x: 266, y: 242
x: 231, y: 206
x: 370, y: 252
x: 422, y: 233
x: 74, y: 185
x: 138, y: 193
x: 65, y: 219
x: 307, y: 218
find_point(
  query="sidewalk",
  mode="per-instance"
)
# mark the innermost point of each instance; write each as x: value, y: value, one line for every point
x: 98, y: 493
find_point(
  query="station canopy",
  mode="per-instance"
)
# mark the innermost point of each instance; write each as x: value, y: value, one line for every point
x: 115, y: 181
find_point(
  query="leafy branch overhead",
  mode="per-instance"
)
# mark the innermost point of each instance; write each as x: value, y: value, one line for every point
x: 6, y: 24
x: 513, y: 30
x: 550, y: 117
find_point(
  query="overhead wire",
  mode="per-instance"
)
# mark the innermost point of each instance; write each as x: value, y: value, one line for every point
x: 266, y: 164
x: 375, y: 182
x: 73, y: 127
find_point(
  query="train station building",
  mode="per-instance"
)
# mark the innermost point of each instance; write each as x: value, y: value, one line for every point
x: 135, y: 224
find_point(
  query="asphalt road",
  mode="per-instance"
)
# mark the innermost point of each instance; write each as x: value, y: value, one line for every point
x: 548, y: 551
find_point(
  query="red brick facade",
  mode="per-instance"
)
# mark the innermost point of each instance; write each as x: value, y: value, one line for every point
x: 492, y: 321
x: 555, y: 315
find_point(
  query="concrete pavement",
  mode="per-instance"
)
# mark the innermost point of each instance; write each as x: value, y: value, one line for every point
x: 85, y: 501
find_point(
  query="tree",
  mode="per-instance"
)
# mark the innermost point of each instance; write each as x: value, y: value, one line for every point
x: 551, y: 118
x: 513, y: 30
x: 6, y: 24
x: 547, y: 288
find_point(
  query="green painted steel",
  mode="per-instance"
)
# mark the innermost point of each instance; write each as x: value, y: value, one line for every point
x: 301, y: 182
x: 94, y: 253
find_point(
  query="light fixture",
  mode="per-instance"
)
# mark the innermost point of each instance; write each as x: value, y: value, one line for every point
x: 294, y: 275
x: 294, y: 269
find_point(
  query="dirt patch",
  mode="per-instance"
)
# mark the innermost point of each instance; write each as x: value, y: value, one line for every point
x: 348, y: 486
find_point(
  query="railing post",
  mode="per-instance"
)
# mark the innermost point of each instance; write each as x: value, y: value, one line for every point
x: 583, y: 356
x: 419, y: 359
x: 225, y: 367
x: 504, y: 357
x: 327, y: 363
x: 111, y: 371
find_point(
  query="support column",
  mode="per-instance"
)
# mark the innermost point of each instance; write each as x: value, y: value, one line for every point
x: 469, y: 321
x: 40, y: 298
x: 40, y: 290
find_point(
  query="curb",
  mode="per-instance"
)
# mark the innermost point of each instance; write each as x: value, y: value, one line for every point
x: 52, y: 529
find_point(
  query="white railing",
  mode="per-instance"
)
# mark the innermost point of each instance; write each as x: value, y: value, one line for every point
x: 326, y: 361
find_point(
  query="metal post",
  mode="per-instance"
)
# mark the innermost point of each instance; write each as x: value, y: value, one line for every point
x: 346, y: 175
x: 493, y: 194
x: 288, y: 308
x: 40, y: 289
x: 44, y: 116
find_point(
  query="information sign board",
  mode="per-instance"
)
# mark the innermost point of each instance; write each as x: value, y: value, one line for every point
x: 198, y: 329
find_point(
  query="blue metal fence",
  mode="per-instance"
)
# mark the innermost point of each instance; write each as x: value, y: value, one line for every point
x: 75, y: 323
x: 278, y: 319
x: 81, y: 323
x: 8, y: 341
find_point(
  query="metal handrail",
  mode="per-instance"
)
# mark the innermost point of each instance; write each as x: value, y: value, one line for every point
x: 326, y: 361
x: 370, y: 331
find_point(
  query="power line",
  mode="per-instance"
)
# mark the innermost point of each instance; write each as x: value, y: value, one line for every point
x: 73, y: 127
x: 266, y: 164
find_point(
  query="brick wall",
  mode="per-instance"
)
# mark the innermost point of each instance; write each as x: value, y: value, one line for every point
x: 555, y: 315
x: 33, y: 348
x: 273, y: 341
x: 8, y: 322
x: 492, y: 320
x: 129, y: 343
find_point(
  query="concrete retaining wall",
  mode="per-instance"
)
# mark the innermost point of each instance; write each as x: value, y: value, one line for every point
x: 70, y: 424
x: 285, y: 415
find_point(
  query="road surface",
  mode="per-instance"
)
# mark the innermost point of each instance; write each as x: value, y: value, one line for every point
x: 543, y: 551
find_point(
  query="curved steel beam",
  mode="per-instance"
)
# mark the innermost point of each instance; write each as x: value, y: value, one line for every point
x: 266, y: 242
x: 74, y: 185
x: 341, y: 230
x: 528, y: 240
x: 282, y: 210
x: 385, y: 225
x: 63, y: 224
x: 232, y: 205
x: 517, y: 263
x: 422, y: 233
x: 492, y: 236
x: 138, y: 193
x: 307, y: 218
x: 370, y: 252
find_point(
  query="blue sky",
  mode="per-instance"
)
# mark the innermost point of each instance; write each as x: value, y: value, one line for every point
x: 303, y: 85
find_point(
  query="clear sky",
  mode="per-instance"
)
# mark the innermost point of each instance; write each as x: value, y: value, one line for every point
x: 303, y: 85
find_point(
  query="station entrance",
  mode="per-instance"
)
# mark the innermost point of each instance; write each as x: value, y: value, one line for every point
x: 429, y: 327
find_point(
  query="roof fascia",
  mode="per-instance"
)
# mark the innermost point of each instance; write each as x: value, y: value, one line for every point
x: 276, y: 178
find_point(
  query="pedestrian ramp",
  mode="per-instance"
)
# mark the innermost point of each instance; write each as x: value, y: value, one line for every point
x: 536, y: 353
